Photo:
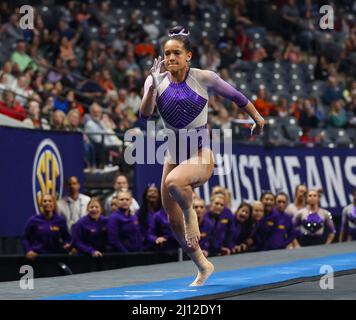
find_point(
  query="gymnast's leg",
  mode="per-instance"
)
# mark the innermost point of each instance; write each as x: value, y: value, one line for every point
x: 176, y: 219
x: 180, y: 183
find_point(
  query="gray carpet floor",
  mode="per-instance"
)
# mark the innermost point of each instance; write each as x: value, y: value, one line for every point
x: 45, y: 287
x: 344, y: 289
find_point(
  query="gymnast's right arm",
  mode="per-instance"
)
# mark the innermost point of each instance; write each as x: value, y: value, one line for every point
x: 150, y: 88
x: 149, y: 99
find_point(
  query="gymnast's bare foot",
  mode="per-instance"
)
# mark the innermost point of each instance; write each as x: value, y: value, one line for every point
x: 203, y: 275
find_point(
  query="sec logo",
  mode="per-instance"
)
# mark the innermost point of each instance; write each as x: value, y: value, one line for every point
x: 47, y: 176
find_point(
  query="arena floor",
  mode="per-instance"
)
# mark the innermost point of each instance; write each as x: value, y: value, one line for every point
x: 344, y: 289
x: 280, y: 274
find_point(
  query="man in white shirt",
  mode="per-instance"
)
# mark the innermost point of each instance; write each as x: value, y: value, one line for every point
x: 100, y: 135
x: 74, y: 205
x: 120, y: 183
x: 95, y: 125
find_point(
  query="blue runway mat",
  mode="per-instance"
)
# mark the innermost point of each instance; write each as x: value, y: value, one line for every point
x: 220, y: 282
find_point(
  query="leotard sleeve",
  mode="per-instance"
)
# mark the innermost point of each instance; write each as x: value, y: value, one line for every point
x: 221, y: 87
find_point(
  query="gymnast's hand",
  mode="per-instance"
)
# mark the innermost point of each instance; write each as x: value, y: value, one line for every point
x: 257, y: 128
x: 155, y: 72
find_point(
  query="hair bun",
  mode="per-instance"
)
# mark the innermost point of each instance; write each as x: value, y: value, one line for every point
x: 178, y: 31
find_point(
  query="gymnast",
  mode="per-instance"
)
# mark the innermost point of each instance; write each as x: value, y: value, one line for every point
x: 181, y: 96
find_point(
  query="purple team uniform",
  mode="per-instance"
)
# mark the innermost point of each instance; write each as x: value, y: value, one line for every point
x: 159, y: 227
x: 241, y: 232
x: 206, y: 228
x: 89, y: 235
x: 124, y: 232
x: 46, y: 236
x: 184, y: 105
x: 348, y: 222
x: 223, y: 232
x: 144, y: 226
x: 274, y: 231
x: 314, y: 226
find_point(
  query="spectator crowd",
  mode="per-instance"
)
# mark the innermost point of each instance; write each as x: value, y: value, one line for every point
x: 83, y: 66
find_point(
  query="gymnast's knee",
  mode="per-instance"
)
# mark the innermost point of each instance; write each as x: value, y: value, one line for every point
x: 173, y: 186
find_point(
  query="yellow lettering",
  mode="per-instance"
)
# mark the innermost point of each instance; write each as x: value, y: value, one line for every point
x: 55, y: 173
x: 40, y: 171
x: 47, y: 173
x: 48, y: 157
x: 39, y: 200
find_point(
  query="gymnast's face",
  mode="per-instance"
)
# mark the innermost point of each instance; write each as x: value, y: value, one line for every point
x: 48, y: 204
x: 243, y: 214
x: 94, y: 209
x: 124, y: 200
x: 114, y: 205
x: 281, y: 203
x: 217, y: 205
x: 301, y: 191
x: 268, y: 202
x: 176, y: 56
x: 152, y: 194
x: 199, y: 207
x: 257, y: 211
x: 313, y: 198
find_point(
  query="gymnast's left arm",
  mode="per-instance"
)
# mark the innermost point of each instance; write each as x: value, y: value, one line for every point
x: 226, y: 90
x: 330, y: 226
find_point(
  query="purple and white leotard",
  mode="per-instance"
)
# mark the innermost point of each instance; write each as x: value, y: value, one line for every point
x: 184, y: 105
x: 348, y: 224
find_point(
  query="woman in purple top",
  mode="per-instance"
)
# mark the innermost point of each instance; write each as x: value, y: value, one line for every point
x: 257, y: 214
x: 159, y: 234
x: 46, y: 232
x: 266, y: 226
x: 181, y: 95
x: 89, y: 234
x: 222, y: 191
x: 224, y: 224
x: 243, y: 227
x: 114, y: 204
x: 206, y: 226
x: 124, y: 233
x: 151, y: 203
x: 275, y: 230
x: 286, y: 235
x: 316, y: 224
